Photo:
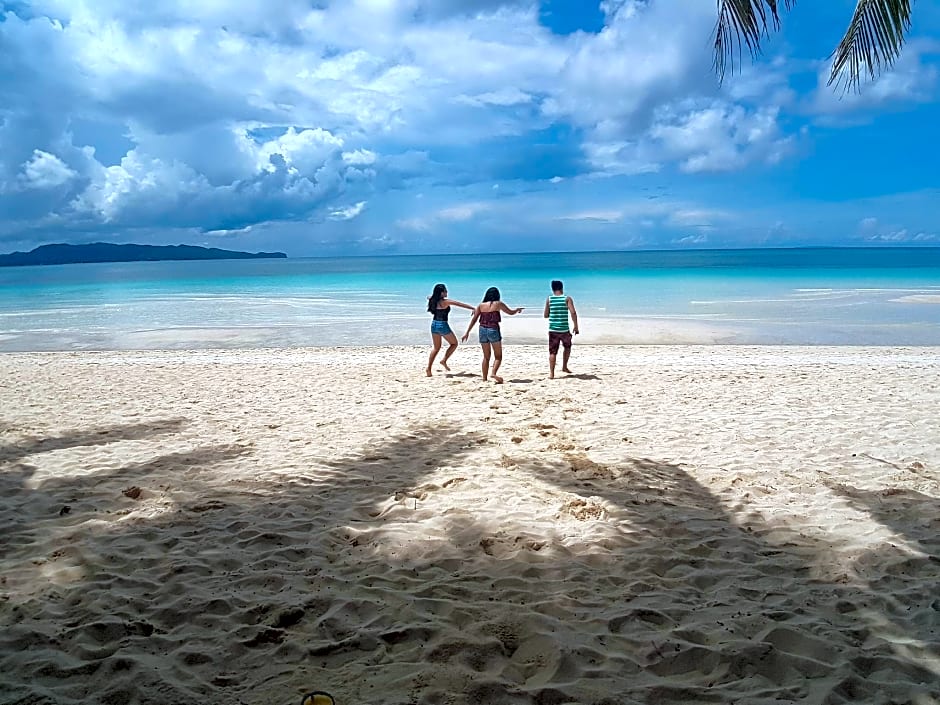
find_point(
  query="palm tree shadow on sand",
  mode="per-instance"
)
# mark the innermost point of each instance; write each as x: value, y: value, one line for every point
x: 670, y: 598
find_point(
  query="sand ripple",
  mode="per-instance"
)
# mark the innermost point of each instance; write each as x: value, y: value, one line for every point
x: 673, y: 525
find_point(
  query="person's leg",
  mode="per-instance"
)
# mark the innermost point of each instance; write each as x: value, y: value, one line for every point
x: 497, y: 361
x: 564, y: 359
x: 552, y: 355
x: 486, y: 359
x: 435, y: 348
x: 452, y: 342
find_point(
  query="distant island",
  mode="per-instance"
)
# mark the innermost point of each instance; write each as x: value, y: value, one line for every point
x: 110, y: 252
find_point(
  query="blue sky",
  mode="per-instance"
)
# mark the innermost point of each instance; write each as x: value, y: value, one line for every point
x: 331, y: 127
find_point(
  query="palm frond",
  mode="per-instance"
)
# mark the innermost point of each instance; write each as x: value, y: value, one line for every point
x: 744, y: 22
x: 873, y: 40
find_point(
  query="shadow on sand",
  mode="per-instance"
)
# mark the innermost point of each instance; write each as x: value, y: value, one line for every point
x: 676, y: 600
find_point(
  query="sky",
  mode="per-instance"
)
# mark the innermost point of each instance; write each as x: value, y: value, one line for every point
x: 365, y: 127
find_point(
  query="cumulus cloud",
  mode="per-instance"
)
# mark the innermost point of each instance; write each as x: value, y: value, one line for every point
x: 719, y: 136
x: 698, y: 136
x: 218, y: 116
x: 45, y: 170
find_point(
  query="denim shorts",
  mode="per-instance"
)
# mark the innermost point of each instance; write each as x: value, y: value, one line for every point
x: 440, y: 328
x: 490, y: 335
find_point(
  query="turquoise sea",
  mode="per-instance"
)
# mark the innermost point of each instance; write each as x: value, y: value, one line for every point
x: 874, y: 296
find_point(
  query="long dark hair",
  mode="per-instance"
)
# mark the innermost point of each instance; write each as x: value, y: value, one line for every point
x: 492, y: 294
x: 435, y: 298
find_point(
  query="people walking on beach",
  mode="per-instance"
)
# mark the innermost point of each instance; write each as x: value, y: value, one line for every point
x: 557, y: 308
x: 491, y: 340
x: 439, y: 307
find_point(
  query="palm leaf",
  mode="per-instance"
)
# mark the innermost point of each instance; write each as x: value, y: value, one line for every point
x: 873, y: 40
x: 744, y: 22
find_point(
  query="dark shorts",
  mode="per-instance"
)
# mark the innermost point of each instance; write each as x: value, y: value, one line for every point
x: 555, y: 339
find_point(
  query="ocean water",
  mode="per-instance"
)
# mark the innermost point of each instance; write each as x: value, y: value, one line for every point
x: 883, y: 296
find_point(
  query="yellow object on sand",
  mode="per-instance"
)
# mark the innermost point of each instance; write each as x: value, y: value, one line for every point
x: 318, y: 697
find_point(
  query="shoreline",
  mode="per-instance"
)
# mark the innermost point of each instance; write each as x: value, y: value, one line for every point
x: 527, y: 329
x: 669, y: 524
x: 470, y: 344
x: 605, y: 352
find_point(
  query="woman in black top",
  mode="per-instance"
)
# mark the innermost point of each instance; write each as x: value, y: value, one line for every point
x: 439, y: 307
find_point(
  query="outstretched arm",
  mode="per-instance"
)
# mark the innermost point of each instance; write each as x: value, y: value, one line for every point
x: 473, y: 322
x: 574, y: 315
x: 458, y: 304
x: 511, y: 311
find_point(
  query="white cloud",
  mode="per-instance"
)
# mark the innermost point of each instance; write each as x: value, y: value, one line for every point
x: 868, y: 225
x: 348, y: 213
x: 359, y: 157
x: 143, y: 189
x: 228, y: 232
x: 663, y: 213
x: 648, y: 53
x: 305, y: 151
x: 598, y: 216
x: 464, y: 211
x: 697, y: 217
x: 903, y: 235
x: 763, y: 83
x: 699, y: 239
x: 872, y: 230
x: 911, y: 80
x: 459, y: 213
x: 380, y: 242
x: 222, y: 114
x: 45, y: 170
x: 698, y: 136
x: 719, y: 136
x: 416, y: 224
x: 503, y: 97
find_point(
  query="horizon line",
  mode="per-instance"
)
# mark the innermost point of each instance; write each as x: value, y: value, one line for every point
x: 932, y: 246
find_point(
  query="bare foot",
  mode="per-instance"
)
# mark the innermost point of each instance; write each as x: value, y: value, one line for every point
x: 444, y: 365
x: 551, y: 376
x: 565, y: 369
x: 497, y: 379
x: 428, y: 372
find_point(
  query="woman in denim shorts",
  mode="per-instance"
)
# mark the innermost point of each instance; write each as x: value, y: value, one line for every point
x: 491, y: 340
x: 439, y: 307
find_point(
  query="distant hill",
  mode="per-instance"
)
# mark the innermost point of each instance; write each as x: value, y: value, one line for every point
x: 110, y: 252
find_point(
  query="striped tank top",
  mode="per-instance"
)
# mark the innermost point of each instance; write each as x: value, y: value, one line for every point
x: 558, y: 313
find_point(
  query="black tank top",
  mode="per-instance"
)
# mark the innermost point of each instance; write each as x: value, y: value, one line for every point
x: 441, y: 314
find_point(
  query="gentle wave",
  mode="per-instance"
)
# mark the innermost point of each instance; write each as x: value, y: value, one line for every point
x: 738, y: 297
x: 919, y: 299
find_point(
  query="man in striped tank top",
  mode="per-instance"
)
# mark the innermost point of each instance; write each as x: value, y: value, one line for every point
x: 557, y: 308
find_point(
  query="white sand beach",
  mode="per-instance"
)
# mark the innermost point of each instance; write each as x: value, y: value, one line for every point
x: 668, y: 525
